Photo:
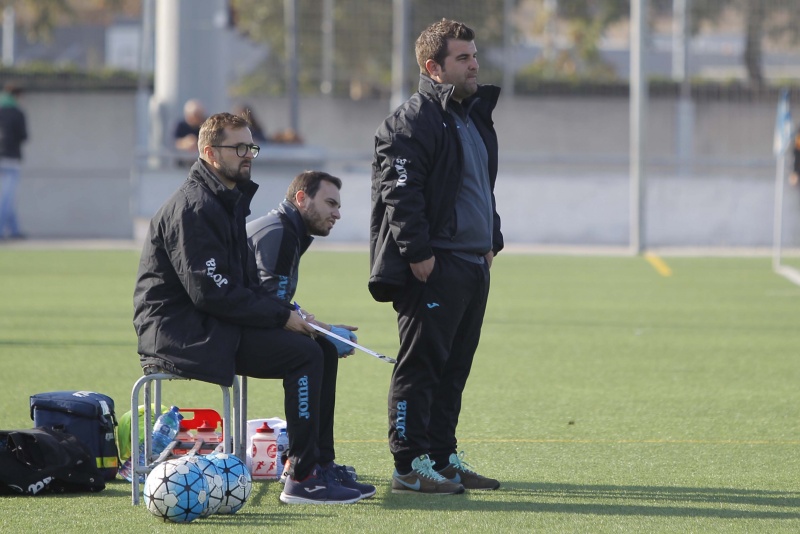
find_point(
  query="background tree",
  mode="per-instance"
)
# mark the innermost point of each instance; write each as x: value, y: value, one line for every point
x: 39, y: 17
x: 363, y: 37
x: 776, y: 20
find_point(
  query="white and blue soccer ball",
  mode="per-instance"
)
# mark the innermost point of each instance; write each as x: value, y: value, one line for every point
x: 176, y: 490
x: 215, y: 483
x: 236, y: 481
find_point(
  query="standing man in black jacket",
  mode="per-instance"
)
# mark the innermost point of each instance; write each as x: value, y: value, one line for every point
x: 200, y: 312
x: 434, y: 231
x: 13, y: 132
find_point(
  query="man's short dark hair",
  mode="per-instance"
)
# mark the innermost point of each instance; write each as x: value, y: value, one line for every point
x: 212, y: 131
x: 432, y: 42
x: 309, y: 181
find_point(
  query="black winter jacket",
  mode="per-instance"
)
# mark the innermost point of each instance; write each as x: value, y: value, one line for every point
x: 416, y: 175
x: 196, y: 287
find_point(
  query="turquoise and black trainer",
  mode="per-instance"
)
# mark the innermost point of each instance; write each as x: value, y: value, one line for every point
x: 424, y: 479
x: 460, y: 472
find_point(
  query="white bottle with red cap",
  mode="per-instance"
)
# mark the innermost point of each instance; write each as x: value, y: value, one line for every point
x: 263, y: 454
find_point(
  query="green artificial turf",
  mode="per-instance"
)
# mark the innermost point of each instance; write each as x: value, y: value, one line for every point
x: 605, y: 396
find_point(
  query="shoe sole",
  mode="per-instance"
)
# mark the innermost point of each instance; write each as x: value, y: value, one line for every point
x: 418, y: 492
x: 482, y: 489
x: 292, y: 499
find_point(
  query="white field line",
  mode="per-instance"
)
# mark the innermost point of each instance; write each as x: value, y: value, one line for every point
x: 789, y: 273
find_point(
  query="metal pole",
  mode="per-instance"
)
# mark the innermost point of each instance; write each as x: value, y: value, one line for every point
x: 679, y: 40
x: 777, y: 223
x: 143, y: 85
x: 638, y: 105
x: 551, y: 29
x: 509, y: 65
x: 400, y: 44
x: 328, y: 46
x: 8, y: 36
x: 290, y: 21
x: 680, y: 73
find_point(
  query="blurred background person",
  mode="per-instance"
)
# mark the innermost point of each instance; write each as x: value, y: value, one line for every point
x: 13, y: 132
x: 188, y: 129
x: 795, y: 175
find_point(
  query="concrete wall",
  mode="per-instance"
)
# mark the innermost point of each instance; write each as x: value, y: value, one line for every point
x: 564, y: 176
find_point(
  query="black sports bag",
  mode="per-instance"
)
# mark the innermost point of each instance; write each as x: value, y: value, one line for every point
x: 37, y: 460
x: 87, y: 415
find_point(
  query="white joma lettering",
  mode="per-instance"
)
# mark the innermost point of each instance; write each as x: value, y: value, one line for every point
x: 211, y: 268
x: 400, y: 167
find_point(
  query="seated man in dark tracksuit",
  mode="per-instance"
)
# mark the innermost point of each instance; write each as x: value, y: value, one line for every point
x: 278, y: 240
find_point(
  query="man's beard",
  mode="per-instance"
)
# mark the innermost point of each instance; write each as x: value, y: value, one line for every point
x: 315, y: 223
x: 238, y: 175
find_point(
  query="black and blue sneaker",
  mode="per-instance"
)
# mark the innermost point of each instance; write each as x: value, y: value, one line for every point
x: 320, y: 487
x: 345, y: 477
x: 285, y: 473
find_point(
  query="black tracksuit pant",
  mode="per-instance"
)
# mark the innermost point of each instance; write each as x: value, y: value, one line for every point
x: 308, y: 368
x: 440, y: 325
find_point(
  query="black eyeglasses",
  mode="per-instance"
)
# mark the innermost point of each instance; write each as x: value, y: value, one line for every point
x: 242, y: 149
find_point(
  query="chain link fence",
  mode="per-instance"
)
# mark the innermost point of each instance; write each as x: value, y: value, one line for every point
x: 346, y: 46
x: 714, y: 67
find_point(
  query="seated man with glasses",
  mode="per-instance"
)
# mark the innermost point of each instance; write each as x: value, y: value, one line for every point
x: 200, y: 313
x: 242, y: 149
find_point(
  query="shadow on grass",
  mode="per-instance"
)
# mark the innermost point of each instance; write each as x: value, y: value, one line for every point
x: 263, y: 508
x: 655, y: 501
x: 66, y: 343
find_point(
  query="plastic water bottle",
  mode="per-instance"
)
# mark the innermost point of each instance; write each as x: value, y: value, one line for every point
x: 263, y: 452
x: 283, y: 448
x: 165, y: 429
x: 126, y: 470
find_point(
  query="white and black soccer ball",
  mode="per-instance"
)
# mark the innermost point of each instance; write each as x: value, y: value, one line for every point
x: 215, y: 483
x: 176, y: 490
x: 236, y: 481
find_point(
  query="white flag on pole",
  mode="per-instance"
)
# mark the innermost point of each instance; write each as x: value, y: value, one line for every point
x: 783, y: 125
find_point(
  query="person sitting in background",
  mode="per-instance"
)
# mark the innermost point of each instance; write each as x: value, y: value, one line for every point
x: 188, y: 129
x: 287, y: 137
